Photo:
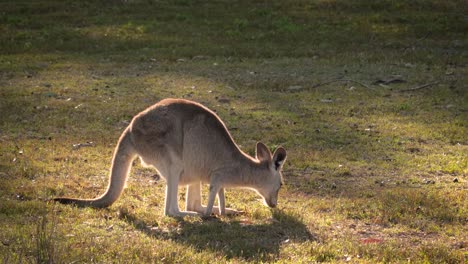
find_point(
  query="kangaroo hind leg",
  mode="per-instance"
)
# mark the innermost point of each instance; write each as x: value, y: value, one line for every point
x: 193, y: 198
x: 194, y: 203
x: 171, y: 206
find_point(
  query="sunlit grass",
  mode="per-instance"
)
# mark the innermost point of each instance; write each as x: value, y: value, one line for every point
x: 374, y: 174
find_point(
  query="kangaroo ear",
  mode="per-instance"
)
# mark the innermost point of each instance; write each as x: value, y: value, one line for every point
x: 279, y: 157
x: 263, y: 153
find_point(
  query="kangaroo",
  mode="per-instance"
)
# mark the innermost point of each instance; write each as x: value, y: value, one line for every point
x: 188, y: 144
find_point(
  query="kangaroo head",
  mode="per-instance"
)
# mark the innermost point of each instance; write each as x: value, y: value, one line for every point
x: 273, y: 179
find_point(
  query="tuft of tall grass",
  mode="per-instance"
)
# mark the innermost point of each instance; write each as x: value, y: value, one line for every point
x: 46, y: 243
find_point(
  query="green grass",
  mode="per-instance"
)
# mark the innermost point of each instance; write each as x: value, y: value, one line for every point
x: 375, y: 174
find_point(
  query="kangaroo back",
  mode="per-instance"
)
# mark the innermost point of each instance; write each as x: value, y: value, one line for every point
x: 124, y: 155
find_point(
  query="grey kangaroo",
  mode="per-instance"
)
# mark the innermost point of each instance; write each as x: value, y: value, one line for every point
x: 188, y: 144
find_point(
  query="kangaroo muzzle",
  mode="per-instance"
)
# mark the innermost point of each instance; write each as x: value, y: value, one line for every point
x: 271, y: 202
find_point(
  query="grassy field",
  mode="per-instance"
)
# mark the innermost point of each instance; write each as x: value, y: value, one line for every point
x: 369, y: 98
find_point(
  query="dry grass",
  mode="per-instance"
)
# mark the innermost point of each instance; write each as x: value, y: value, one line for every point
x: 375, y: 174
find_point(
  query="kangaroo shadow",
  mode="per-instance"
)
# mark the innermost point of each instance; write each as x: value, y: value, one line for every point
x: 233, y: 238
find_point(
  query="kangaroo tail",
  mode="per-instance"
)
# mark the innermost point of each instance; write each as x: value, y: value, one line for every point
x: 124, y: 155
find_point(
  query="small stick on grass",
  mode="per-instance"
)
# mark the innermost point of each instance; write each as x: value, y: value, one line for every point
x: 340, y: 80
x: 419, y: 87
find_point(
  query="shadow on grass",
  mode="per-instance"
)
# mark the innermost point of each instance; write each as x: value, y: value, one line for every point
x: 232, y: 238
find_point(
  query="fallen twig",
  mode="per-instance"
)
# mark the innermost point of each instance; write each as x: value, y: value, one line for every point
x: 392, y: 79
x: 80, y: 145
x: 419, y: 87
x: 340, y: 80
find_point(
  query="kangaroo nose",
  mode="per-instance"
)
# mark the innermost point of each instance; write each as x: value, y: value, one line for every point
x: 272, y: 204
